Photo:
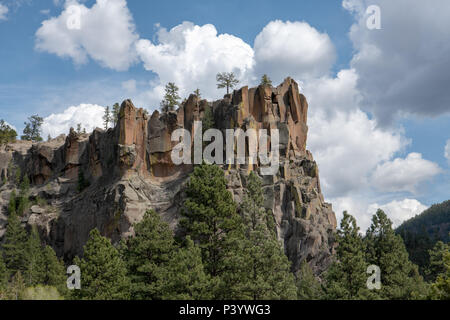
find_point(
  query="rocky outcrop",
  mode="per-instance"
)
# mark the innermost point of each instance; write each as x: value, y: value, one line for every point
x: 108, y: 179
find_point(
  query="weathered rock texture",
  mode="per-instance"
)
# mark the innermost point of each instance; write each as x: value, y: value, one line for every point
x: 128, y: 169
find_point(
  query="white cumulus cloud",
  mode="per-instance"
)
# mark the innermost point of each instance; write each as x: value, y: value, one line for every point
x: 106, y: 34
x: 192, y: 55
x: 88, y: 115
x: 3, y: 12
x: 399, y: 210
x: 404, y: 174
x: 293, y: 48
x: 348, y: 147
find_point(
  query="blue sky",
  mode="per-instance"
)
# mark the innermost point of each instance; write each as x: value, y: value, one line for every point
x: 379, y: 107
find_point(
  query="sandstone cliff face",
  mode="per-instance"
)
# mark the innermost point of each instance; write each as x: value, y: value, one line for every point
x: 128, y: 169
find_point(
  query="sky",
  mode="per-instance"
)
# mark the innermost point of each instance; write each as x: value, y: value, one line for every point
x: 379, y: 98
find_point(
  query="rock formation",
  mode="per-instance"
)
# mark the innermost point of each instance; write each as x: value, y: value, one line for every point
x: 108, y: 179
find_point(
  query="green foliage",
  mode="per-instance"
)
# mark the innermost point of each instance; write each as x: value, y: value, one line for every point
x: 147, y: 252
x: 16, y: 287
x: 399, y: 277
x: 184, y: 277
x: 437, y: 265
x: 34, y: 269
x: 116, y: 113
x: 7, y: 134
x: 12, y: 205
x: 103, y: 272
x: 32, y: 130
x: 209, y: 215
x: 265, y: 80
x: 421, y: 233
x: 308, y: 287
x: 208, y: 119
x: 257, y: 267
x: 14, y: 245
x: 106, y: 118
x: 41, y: 293
x: 54, y: 271
x: 441, y: 288
x: 226, y: 80
x: 171, y: 98
x: 346, y: 278
x: 4, y: 274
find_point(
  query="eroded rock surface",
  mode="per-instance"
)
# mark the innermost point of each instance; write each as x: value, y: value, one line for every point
x: 108, y: 179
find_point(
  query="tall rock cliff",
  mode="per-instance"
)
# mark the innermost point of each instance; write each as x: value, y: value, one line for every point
x: 108, y: 179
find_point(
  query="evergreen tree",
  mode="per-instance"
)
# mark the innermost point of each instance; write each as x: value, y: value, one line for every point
x: 226, y: 80
x: 34, y: 269
x: 147, y: 253
x: 209, y: 215
x: 79, y: 128
x: 399, y: 277
x: 32, y: 130
x: 257, y: 268
x: 184, y: 277
x: 16, y: 287
x: 14, y: 245
x: 54, y: 271
x: 265, y: 80
x: 171, y: 98
x: 437, y: 264
x: 308, y: 287
x: 106, y: 118
x: 116, y: 113
x: 7, y: 134
x: 198, y: 94
x: 4, y: 275
x: 12, y: 203
x: 441, y: 288
x: 346, y: 278
x: 103, y: 273
x: 23, y: 201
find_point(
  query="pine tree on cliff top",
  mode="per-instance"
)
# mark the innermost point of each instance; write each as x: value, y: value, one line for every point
x: 226, y: 80
x: 103, y: 273
x: 171, y: 98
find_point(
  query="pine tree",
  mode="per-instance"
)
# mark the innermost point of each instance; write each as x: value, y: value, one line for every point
x: 184, y: 277
x: 12, y: 203
x: 4, y: 275
x: 7, y: 134
x: 400, y: 278
x: 437, y: 265
x: 54, y: 271
x: 116, y: 113
x: 346, y: 278
x: 257, y: 268
x: 103, y: 272
x: 106, y: 118
x: 171, y: 98
x: 441, y: 288
x: 34, y: 270
x: 308, y: 287
x: 265, y: 80
x: 209, y: 215
x: 146, y: 254
x: 14, y: 245
x: 16, y: 287
x: 226, y: 80
x: 32, y: 130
